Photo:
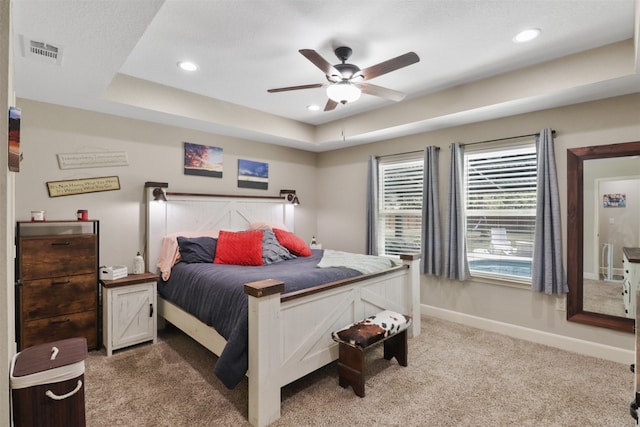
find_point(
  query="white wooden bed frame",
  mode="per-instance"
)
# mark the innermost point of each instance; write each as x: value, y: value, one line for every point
x: 289, y: 335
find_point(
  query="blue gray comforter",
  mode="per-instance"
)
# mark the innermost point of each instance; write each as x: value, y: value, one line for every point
x: 214, y: 294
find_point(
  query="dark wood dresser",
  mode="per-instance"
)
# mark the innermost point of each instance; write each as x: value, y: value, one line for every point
x: 57, y: 292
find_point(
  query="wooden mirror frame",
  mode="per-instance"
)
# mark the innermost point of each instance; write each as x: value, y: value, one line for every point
x: 575, y: 230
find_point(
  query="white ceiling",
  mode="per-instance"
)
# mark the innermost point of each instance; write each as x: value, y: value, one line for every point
x: 245, y: 47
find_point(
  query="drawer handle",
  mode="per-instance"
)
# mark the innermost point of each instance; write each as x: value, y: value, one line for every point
x: 60, y: 243
x: 52, y: 395
x: 55, y: 322
x: 62, y: 282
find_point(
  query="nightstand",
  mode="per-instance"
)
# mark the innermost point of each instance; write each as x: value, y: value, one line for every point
x: 129, y: 311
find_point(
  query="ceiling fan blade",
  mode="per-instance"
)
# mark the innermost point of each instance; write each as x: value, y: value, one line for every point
x: 390, y: 65
x: 331, y: 105
x: 320, y: 62
x: 284, y: 89
x: 383, y: 92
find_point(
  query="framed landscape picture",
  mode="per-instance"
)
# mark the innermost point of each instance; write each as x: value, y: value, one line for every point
x: 253, y: 174
x: 202, y: 160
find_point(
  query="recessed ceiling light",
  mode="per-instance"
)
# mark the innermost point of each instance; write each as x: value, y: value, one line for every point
x: 187, y: 66
x: 526, y: 35
x: 313, y: 107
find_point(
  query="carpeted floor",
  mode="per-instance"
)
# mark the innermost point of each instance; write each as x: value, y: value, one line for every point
x: 457, y: 376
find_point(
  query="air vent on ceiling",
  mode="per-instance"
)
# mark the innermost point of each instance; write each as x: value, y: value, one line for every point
x: 41, y: 51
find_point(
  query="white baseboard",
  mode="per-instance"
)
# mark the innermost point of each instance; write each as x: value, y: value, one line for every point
x: 575, y: 345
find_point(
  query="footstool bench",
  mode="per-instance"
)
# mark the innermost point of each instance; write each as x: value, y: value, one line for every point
x: 354, y: 340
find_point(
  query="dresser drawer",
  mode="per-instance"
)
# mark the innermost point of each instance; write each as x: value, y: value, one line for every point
x: 60, y: 295
x: 55, y: 256
x: 61, y: 327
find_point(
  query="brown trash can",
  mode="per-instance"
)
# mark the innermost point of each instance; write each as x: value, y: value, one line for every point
x: 47, y: 384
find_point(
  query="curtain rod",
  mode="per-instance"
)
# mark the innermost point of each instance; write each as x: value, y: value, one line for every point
x: 470, y: 143
x: 401, y: 154
x: 504, y: 139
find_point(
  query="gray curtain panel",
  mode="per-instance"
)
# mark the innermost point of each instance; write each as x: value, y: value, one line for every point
x: 372, y: 206
x: 431, y: 247
x: 456, y: 266
x: 548, y: 273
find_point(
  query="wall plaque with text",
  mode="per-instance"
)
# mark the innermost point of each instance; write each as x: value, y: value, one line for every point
x: 81, y: 186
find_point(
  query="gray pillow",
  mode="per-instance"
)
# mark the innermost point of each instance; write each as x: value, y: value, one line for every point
x: 272, y: 250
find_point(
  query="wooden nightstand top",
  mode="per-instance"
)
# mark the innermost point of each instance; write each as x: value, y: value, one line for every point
x: 633, y: 254
x: 131, y: 279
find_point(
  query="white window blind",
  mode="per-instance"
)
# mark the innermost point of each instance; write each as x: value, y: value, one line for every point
x: 400, y: 206
x: 500, y: 190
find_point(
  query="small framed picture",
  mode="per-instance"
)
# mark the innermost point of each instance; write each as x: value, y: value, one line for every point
x: 14, y: 139
x: 616, y: 200
x: 253, y: 174
x: 202, y: 160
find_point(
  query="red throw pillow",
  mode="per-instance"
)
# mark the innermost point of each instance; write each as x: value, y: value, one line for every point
x: 239, y: 248
x: 296, y: 245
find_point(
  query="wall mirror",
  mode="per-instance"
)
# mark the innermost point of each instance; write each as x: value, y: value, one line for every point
x: 603, y: 216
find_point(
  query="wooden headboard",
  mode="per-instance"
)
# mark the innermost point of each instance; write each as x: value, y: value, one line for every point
x: 208, y: 212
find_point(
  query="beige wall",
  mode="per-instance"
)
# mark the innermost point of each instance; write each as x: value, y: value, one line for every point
x: 155, y: 153
x: 342, y: 199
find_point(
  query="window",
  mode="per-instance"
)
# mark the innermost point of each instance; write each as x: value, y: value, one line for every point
x: 500, y: 200
x: 399, y: 205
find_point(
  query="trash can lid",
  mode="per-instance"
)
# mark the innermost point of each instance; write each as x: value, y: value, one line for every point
x: 44, y: 357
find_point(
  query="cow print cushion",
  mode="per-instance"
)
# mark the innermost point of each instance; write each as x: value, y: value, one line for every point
x: 373, y: 329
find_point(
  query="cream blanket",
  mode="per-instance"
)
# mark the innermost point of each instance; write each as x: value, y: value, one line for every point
x: 365, y: 264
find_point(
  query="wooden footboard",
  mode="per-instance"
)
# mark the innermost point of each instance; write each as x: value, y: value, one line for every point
x: 291, y: 337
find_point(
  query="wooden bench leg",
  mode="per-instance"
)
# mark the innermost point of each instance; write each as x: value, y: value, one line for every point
x: 351, y: 368
x: 396, y: 346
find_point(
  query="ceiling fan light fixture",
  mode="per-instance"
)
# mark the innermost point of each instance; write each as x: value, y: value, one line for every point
x: 348, y: 81
x: 343, y: 92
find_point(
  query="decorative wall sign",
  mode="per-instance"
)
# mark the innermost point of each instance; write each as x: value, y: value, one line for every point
x: 616, y: 200
x: 202, y: 160
x: 92, y: 160
x: 253, y: 174
x: 14, y: 139
x: 81, y: 186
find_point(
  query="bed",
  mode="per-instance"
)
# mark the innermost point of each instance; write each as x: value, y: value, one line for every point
x: 288, y: 329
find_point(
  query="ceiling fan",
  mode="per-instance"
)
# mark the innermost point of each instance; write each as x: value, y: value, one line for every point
x: 347, y: 81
